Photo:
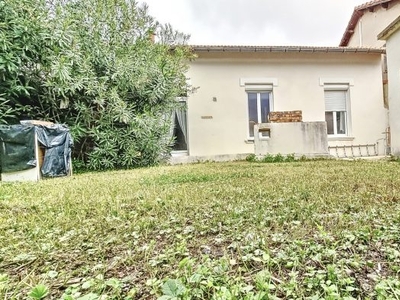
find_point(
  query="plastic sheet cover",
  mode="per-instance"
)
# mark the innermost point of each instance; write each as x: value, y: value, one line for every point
x: 18, y: 148
x: 58, y: 143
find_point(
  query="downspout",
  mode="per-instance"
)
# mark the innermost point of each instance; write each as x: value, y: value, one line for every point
x: 360, y: 32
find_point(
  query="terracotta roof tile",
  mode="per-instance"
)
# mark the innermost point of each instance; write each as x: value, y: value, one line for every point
x: 355, y: 17
x: 370, y: 4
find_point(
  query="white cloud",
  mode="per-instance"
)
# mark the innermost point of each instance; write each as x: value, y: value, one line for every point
x: 257, y: 22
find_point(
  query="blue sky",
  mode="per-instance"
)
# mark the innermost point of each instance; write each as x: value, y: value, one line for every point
x: 257, y: 22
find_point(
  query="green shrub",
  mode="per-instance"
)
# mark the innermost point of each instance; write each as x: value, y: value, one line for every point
x: 251, y: 158
x: 269, y: 158
x: 290, y: 158
x: 78, y: 166
x: 279, y: 158
x: 303, y: 158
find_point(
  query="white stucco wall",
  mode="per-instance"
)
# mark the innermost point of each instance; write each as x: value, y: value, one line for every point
x: 298, y: 138
x: 371, y: 24
x: 221, y: 126
x: 393, y: 58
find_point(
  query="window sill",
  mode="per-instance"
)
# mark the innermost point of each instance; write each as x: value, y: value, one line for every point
x: 340, y: 138
x: 251, y: 141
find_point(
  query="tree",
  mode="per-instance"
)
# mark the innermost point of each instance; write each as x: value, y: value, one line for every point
x: 92, y: 64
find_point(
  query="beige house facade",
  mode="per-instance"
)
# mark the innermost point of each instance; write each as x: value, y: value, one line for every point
x: 236, y: 87
x: 391, y: 35
x: 347, y: 98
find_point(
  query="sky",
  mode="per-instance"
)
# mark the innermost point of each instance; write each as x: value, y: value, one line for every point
x: 257, y: 22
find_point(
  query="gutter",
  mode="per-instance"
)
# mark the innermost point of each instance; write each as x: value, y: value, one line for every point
x: 285, y: 49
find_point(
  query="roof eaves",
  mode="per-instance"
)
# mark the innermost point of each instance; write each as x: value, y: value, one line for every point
x: 355, y: 17
x: 284, y: 49
x: 372, y: 3
x: 390, y: 29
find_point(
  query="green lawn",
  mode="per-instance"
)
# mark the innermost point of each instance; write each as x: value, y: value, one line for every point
x: 300, y: 230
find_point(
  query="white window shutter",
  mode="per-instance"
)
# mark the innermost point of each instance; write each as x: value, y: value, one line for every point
x: 335, y: 100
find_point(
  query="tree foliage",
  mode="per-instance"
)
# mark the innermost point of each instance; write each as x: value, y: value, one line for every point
x: 92, y: 64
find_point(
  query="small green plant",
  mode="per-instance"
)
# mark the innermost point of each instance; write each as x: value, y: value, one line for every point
x: 394, y: 158
x: 388, y: 289
x: 172, y: 289
x: 4, y: 281
x: 39, y: 292
x: 303, y: 158
x: 290, y: 158
x: 269, y: 158
x: 279, y: 158
x: 251, y: 158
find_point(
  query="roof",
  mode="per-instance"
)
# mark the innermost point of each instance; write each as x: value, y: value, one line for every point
x: 292, y: 49
x: 357, y: 14
x: 390, y: 29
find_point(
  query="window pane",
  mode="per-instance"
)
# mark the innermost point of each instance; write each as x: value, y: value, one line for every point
x: 329, y: 122
x: 341, y: 122
x: 180, y: 140
x: 264, y: 107
x: 252, y: 107
x: 264, y: 99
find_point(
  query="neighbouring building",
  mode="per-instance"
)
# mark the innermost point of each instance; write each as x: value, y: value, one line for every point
x: 367, y: 21
x: 238, y: 86
x: 391, y: 35
x: 375, y: 24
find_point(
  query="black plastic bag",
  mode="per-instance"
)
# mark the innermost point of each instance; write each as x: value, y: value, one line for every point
x: 17, y: 150
x: 58, y: 143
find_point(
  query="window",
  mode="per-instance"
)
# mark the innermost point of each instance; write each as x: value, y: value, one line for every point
x: 259, y: 100
x: 259, y: 106
x: 180, y: 128
x: 336, y: 113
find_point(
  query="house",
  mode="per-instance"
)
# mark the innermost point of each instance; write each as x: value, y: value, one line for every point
x: 391, y: 35
x: 367, y: 21
x: 336, y: 97
x: 238, y: 86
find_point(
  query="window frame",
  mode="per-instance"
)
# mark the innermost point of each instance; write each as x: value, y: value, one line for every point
x: 348, y: 128
x: 258, y: 84
x: 334, y: 125
x: 258, y: 90
x: 183, y: 100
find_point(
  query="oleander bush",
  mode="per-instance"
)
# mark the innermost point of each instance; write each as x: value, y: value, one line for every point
x: 92, y: 65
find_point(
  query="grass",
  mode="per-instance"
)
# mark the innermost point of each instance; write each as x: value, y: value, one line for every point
x: 240, y: 230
